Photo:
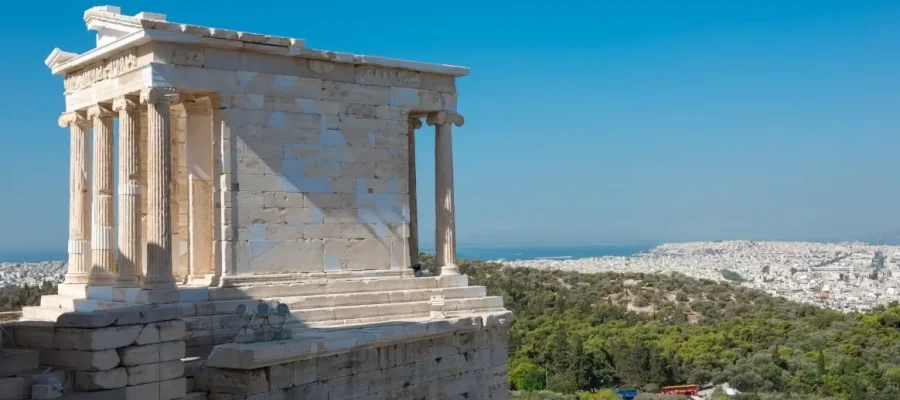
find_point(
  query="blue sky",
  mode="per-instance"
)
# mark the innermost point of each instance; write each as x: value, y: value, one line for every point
x: 585, y: 121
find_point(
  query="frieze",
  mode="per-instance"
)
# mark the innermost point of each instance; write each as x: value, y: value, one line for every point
x: 105, y: 69
x: 387, y: 76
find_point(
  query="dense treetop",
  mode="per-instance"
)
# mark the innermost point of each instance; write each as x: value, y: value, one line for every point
x: 585, y: 332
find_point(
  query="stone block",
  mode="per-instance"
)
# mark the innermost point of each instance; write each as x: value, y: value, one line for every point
x: 236, y: 381
x: 86, y: 319
x: 356, y: 93
x: 45, y: 392
x: 305, y: 371
x: 165, y: 390
x: 157, y: 296
x: 163, y: 371
x: 14, y: 389
x: 165, y: 331
x: 96, y: 339
x: 87, y: 381
x: 14, y: 361
x: 281, y: 376
x: 310, y: 391
x: 151, y: 353
x: 288, y: 256
x: 80, y: 360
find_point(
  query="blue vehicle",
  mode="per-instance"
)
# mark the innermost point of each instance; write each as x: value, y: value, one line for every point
x: 626, y: 394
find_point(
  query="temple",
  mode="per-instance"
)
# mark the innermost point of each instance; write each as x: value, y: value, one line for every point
x: 250, y: 169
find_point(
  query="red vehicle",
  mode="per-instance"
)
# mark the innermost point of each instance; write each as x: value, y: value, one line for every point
x: 690, y: 390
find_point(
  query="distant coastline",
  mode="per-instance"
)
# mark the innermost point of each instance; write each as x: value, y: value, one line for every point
x: 483, y: 253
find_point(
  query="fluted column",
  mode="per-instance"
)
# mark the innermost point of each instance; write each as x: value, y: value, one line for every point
x: 159, y: 166
x: 128, y: 263
x: 414, y: 123
x: 103, y: 243
x: 79, y: 264
x: 444, y: 208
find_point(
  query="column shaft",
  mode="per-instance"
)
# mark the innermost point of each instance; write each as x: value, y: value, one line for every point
x: 444, y: 208
x: 129, y: 261
x: 103, y: 243
x: 79, y: 198
x: 159, y: 175
x: 414, y: 123
x: 199, y: 152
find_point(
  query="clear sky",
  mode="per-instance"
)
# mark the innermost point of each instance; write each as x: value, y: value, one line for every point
x: 586, y: 121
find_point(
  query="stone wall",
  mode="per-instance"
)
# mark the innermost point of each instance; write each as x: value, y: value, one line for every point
x: 465, y: 365
x: 312, y: 154
x: 131, y: 353
x: 321, y: 185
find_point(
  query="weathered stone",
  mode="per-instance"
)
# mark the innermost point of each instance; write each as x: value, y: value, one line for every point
x: 163, y: 371
x: 280, y: 376
x: 151, y: 353
x: 165, y: 390
x: 80, y: 360
x: 305, y: 372
x: 165, y: 331
x: 86, y: 320
x: 100, y: 380
x: 14, y: 389
x: 45, y: 392
x: 236, y: 381
x: 96, y: 339
x: 14, y: 361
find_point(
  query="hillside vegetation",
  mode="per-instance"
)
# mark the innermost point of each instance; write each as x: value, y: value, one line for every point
x: 585, y: 332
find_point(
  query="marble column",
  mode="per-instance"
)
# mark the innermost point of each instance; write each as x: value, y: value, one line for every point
x: 444, y: 208
x: 129, y: 261
x: 200, y: 187
x: 79, y: 264
x: 159, y: 176
x: 414, y: 123
x: 103, y: 234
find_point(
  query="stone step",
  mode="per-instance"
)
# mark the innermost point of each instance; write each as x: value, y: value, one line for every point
x: 218, y: 329
x: 195, y: 396
x: 42, y: 313
x: 334, y: 287
x: 70, y: 303
x: 330, y: 307
x: 331, y: 300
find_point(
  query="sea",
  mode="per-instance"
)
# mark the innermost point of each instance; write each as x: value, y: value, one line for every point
x: 479, y: 252
x: 545, y: 252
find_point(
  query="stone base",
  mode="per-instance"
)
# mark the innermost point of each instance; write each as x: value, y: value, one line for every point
x: 436, y: 359
x: 15, y: 361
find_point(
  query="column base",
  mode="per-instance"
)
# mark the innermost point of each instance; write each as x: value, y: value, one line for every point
x: 77, y: 278
x: 126, y: 294
x: 101, y: 279
x: 157, y: 296
x: 127, y: 282
x: 449, y: 270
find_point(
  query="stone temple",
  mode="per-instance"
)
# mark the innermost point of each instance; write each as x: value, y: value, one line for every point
x: 252, y: 171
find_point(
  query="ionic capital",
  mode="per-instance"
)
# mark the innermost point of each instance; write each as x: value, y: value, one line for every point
x: 159, y: 95
x: 100, y: 111
x: 445, y: 117
x: 415, y: 123
x: 126, y: 103
x: 72, y: 118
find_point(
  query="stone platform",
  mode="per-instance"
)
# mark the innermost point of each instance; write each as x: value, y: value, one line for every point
x: 435, y: 358
x: 330, y: 300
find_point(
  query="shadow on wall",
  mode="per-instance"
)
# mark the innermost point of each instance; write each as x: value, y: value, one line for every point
x: 321, y: 187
